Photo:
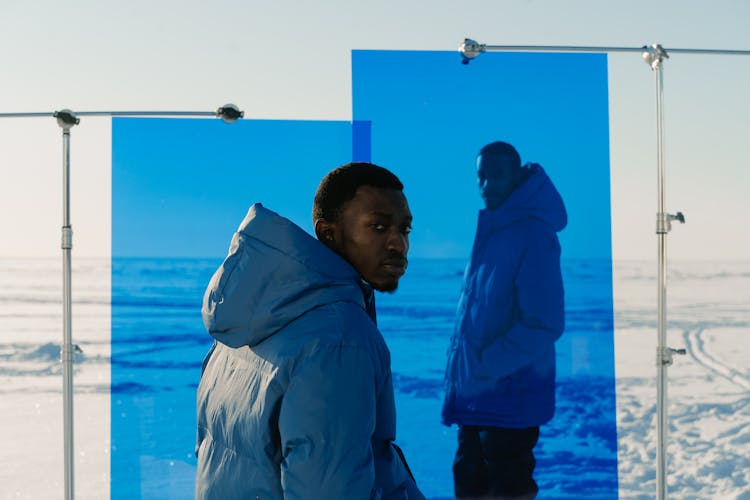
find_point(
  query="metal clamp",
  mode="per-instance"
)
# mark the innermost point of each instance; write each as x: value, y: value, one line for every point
x: 68, y: 352
x: 67, y: 237
x: 66, y: 119
x: 470, y: 49
x: 664, y: 221
x: 654, y: 55
x: 229, y: 113
x: 664, y: 355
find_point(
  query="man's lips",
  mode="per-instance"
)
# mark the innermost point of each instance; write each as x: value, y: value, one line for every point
x: 396, y: 266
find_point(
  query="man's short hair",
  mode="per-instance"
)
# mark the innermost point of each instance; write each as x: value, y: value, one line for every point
x: 500, y: 148
x: 340, y: 186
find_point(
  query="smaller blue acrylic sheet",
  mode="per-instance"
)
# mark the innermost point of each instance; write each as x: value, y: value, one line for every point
x: 180, y: 188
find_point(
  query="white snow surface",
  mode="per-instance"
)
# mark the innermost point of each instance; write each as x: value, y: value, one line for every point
x: 31, y: 420
x: 709, y: 388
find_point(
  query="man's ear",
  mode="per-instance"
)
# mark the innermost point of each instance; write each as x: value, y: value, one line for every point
x: 325, y: 231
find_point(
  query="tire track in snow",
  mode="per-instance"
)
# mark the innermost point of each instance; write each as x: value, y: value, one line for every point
x: 696, y: 347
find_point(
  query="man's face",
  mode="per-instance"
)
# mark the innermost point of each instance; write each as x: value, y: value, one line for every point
x: 497, y: 179
x: 372, y: 234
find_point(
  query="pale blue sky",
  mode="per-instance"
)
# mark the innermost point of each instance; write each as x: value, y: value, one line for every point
x: 292, y: 60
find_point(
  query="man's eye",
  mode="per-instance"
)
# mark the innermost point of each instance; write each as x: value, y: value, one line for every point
x: 378, y: 227
x: 407, y: 230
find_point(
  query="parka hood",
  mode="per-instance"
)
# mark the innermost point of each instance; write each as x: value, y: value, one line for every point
x: 274, y: 273
x: 535, y: 198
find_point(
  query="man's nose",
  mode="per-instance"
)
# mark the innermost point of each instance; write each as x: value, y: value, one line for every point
x: 398, y: 242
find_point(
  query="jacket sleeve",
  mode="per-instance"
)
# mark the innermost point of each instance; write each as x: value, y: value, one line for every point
x: 393, y: 478
x: 326, y: 422
x: 539, y: 309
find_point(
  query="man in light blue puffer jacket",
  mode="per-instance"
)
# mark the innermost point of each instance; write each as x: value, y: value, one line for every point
x: 500, y: 378
x: 296, y: 397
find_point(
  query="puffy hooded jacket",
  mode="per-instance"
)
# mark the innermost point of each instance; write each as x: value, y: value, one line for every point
x: 296, y: 398
x: 501, y: 361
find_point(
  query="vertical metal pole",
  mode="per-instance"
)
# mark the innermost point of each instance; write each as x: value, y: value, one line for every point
x: 655, y: 56
x: 68, y: 353
x: 662, y: 229
x: 66, y: 119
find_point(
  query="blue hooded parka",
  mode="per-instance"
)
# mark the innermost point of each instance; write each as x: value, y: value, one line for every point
x: 501, y: 360
x: 296, y: 398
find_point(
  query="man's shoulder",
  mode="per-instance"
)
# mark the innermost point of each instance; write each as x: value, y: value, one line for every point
x: 336, y: 331
x: 339, y: 331
x: 340, y: 319
x: 335, y: 325
x: 526, y: 230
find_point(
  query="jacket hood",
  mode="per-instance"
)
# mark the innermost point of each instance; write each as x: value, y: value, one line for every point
x: 275, y: 272
x: 535, y: 198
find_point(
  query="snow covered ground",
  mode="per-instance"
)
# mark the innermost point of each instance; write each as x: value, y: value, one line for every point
x: 709, y: 388
x: 31, y: 429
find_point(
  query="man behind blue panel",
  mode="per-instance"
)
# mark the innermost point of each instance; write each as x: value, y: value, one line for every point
x: 296, y: 398
x: 500, y: 378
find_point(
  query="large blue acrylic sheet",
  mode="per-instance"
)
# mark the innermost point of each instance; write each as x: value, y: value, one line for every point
x: 430, y: 116
x: 180, y: 188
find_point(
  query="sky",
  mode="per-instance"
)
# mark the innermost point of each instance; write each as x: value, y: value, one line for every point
x: 292, y: 60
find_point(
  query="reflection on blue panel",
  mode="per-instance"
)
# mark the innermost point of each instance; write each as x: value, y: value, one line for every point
x: 430, y: 117
x: 179, y: 190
